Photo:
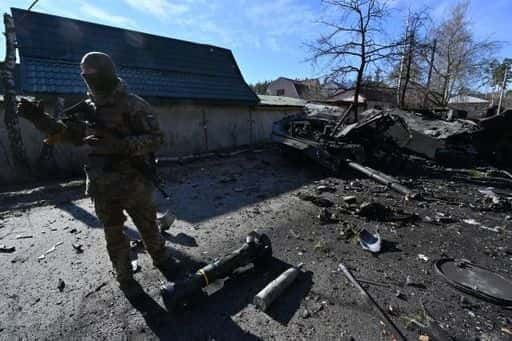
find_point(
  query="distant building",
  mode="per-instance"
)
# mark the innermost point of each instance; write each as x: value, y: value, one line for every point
x: 369, y: 97
x: 345, y: 98
x: 329, y: 89
x: 474, y: 106
x: 304, y: 89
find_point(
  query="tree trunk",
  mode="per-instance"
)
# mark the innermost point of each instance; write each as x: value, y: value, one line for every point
x: 46, y: 159
x: 407, y: 71
x: 358, y: 90
x: 429, y: 79
x: 11, y: 120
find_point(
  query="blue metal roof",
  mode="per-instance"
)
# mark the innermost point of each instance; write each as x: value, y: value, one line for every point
x: 51, y: 47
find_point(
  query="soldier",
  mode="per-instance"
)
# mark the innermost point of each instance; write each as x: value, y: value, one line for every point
x: 122, y: 140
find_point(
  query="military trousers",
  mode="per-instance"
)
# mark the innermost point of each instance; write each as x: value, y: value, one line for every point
x: 136, y: 199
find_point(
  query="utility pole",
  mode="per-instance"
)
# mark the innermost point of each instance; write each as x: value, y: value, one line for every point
x: 503, y: 86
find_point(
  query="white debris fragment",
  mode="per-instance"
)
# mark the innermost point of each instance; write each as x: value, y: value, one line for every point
x: 423, y: 257
x: 471, y: 222
x: 489, y: 193
x: 496, y: 229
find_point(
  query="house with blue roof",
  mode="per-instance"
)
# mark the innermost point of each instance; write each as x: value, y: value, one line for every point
x: 197, y: 90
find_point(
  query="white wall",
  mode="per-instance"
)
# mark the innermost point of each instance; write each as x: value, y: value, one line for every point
x: 227, y: 127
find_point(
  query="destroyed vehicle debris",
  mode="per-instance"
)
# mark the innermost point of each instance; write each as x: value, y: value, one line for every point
x: 475, y: 280
x: 324, y: 139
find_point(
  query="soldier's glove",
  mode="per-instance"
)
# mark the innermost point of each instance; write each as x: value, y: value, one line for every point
x: 107, y: 144
x: 32, y: 111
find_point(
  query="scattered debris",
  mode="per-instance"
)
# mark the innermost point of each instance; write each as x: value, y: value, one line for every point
x: 98, y: 288
x: 272, y: 291
x: 496, y: 229
x: 321, y: 246
x: 318, y: 201
x: 423, y: 257
x: 411, y: 283
x: 471, y: 222
x: 50, y: 250
x: 372, y: 302
x: 370, y: 242
x: 326, y: 217
x: 476, y: 280
x: 294, y: 234
x: 7, y: 249
x: 325, y: 188
x: 350, y: 199
x: 467, y: 303
x: 399, y: 294
x: 77, y: 247
x: 442, y: 218
x: 373, y: 210
x: 61, y: 285
x: 24, y: 236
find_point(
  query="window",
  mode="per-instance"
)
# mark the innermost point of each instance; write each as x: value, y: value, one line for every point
x: 280, y: 92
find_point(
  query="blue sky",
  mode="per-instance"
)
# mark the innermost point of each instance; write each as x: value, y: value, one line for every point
x: 266, y: 36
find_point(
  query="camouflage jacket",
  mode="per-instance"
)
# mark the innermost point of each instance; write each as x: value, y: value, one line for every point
x: 129, y: 120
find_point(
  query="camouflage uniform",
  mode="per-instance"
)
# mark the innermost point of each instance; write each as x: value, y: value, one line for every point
x: 115, y: 180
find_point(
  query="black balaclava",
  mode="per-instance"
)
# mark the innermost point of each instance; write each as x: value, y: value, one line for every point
x: 105, y: 80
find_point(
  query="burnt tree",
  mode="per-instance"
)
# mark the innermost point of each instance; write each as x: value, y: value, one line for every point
x: 11, y: 120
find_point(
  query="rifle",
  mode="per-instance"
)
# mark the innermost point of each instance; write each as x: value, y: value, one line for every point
x: 148, y: 168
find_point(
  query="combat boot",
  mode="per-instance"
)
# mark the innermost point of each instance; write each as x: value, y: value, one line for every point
x: 166, y: 263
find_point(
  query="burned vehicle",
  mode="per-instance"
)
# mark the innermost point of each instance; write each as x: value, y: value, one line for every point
x: 384, y: 137
x: 325, y: 137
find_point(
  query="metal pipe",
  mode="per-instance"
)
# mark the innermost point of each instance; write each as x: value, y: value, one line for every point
x: 381, y: 178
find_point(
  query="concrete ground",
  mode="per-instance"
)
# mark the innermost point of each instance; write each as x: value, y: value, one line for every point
x: 217, y: 202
